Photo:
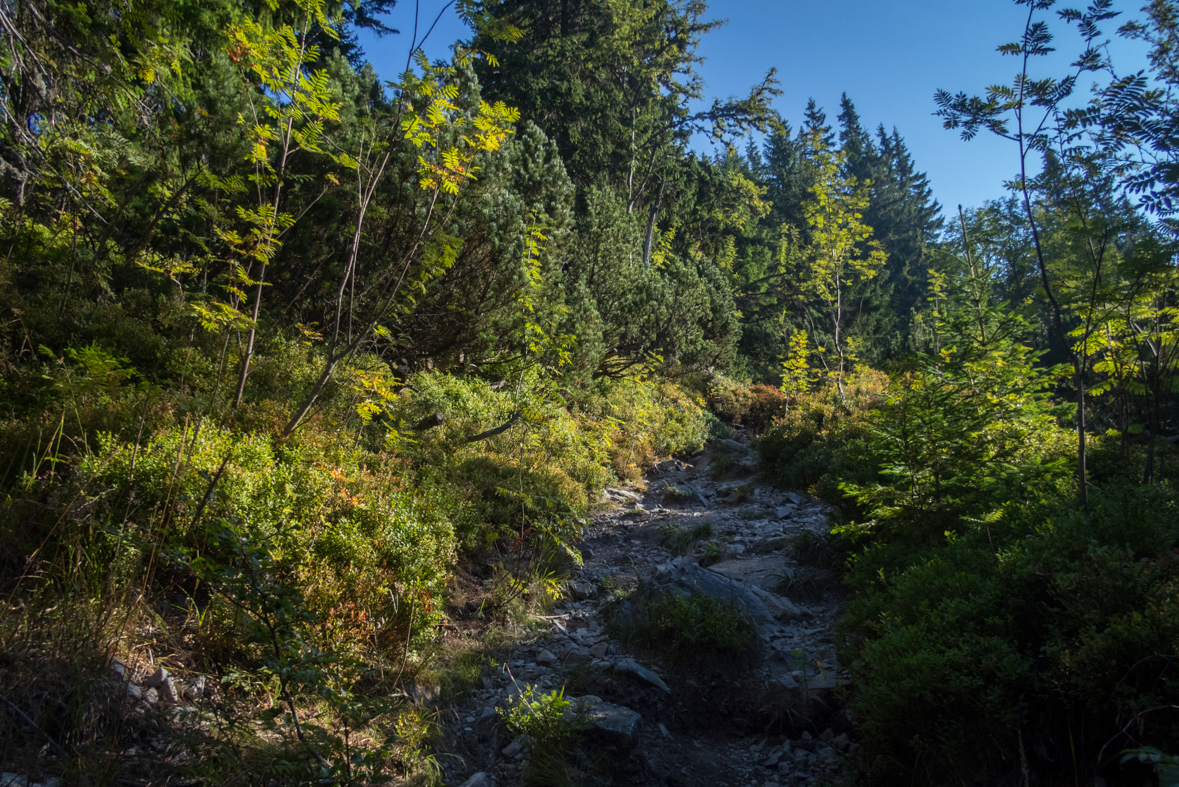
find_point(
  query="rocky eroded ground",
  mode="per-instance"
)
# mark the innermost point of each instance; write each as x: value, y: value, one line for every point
x: 768, y: 717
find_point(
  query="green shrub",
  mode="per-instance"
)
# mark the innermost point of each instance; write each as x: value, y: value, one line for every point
x: 646, y: 420
x: 351, y: 536
x: 1052, y: 619
x: 729, y: 399
x: 554, y: 727
x: 536, y: 478
x: 822, y: 441
x: 752, y: 406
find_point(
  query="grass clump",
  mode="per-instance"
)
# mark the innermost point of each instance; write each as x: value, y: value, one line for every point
x: 742, y: 494
x: 807, y: 584
x: 813, y: 549
x: 677, y: 493
x: 711, y: 553
x: 686, y: 626
x: 683, y: 540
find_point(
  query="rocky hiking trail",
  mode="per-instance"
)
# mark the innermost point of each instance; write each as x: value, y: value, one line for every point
x: 770, y: 718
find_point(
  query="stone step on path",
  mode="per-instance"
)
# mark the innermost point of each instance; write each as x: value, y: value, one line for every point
x: 671, y: 734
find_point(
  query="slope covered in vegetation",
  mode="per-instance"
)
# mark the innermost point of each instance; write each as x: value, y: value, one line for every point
x: 287, y: 346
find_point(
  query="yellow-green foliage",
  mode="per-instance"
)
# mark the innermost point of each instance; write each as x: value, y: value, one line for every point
x: 643, y: 420
x: 356, y: 545
x: 311, y: 567
x: 537, y: 477
x: 754, y: 406
x: 729, y: 399
x: 821, y: 437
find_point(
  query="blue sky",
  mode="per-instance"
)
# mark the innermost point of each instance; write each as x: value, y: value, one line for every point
x: 889, y: 57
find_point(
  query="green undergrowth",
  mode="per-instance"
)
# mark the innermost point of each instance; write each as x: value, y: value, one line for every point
x: 305, y: 576
x: 553, y: 727
x: 994, y: 623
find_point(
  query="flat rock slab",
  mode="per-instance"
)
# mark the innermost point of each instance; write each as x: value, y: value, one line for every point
x: 733, y: 445
x: 694, y: 579
x: 761, y: 571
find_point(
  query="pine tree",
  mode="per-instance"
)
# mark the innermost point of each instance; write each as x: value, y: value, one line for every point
x: 815, y: 122
x: 860, y: 154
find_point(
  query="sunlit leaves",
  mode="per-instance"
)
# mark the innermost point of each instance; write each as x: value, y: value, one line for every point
x: 449, y: 138
x: 841, y: 251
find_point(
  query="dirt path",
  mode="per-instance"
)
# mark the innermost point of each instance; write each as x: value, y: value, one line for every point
x: 770, y: 718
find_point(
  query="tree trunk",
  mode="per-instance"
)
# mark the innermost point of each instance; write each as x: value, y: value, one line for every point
x: 1082, y: 459
x: 651, y: 226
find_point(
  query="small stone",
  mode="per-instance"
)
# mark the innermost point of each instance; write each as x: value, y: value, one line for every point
x: 515, y: 747
x: 663, y: 729
x: 151, y: 696
x: 787, y: 681
x: 545, y: 657
x: 587, y: 553
x: 599, y: 651
x: 133, y: 692
x: 827, y: 735
x: 162, y: 682
x: 194, y: 688
x: 784, y: 512
x: 631, y: 667
x: 794, y: 498
x: 625, y: 494
x: 488, y: 712
x: 757, y: 747
x: 841, y: 742
x: 119, y: 668
x: 182, y: 712
x: 478, y: 780
x: 771, y: 761
x: 577, y: 655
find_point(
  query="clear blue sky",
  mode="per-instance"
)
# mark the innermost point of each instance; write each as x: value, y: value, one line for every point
x: 889, y: 57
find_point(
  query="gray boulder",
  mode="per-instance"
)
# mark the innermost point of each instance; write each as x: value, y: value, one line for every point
x: 694, y: 579
x: 609, y: 725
